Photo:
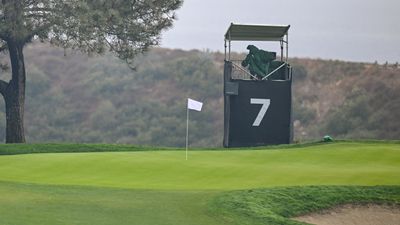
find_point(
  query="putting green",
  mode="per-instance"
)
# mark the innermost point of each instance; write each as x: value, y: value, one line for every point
x: 343, y: 163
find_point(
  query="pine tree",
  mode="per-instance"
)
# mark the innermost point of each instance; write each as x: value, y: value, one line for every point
x: 125, y: 27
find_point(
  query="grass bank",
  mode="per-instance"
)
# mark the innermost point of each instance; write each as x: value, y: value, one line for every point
x: 31, y: 204
x: 278, y: 205
x: 15, y: 149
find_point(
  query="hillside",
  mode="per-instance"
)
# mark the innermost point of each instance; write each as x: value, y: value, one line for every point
x: 75, y: 98
x: 347, y: 100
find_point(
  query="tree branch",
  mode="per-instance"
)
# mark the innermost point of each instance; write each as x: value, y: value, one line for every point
x: 3, y: 47
x: 37, y: 31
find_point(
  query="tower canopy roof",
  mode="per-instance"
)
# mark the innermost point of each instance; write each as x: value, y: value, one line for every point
x: 247, y: 32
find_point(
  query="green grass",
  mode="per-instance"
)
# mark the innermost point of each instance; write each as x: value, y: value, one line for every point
x: 278, y: 205
x: 330, y: 164
x: 132, y: 185
x: 14, y: 149
x: 22, y: 204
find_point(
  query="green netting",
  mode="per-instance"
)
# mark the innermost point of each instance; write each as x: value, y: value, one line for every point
x: 259, y: 61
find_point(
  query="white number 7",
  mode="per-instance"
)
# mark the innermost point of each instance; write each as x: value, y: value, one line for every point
x: 265, y: 104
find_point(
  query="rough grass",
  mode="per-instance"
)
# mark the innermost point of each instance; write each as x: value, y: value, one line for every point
x: 278, y: 205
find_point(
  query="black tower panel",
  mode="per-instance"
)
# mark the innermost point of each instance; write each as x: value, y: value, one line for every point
x: 259, y: 113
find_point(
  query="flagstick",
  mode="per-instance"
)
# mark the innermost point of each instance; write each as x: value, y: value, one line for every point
x: 187, y: 131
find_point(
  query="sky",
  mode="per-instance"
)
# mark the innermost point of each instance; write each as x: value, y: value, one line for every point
x: 350, y: 30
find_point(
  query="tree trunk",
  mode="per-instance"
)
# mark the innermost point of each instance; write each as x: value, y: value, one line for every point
x: 14, y: 95
x: 14, y: 118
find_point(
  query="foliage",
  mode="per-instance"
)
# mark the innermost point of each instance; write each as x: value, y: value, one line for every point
x: 346, y: 100
x: 303, y: 113
x: 370, y: 110
x: 125, y: 27
x: 114, y: 104
x: 74, y: 98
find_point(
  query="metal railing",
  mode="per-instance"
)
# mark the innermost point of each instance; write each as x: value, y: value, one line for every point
x: 272, y: 72
x: 242, y: 73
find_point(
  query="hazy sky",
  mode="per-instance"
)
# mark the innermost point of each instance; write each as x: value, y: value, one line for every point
x: 355, y: 30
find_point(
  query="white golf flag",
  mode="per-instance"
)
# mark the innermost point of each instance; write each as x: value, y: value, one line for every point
x: 195, y: 105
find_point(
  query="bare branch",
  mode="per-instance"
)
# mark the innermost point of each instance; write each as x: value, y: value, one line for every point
x: 3, y: 47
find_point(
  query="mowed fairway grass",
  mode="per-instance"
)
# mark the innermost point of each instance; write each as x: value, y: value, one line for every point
x: 161, y: 187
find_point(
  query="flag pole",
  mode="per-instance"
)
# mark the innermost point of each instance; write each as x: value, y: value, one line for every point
x: 187, y: 131
x: 195, y: 105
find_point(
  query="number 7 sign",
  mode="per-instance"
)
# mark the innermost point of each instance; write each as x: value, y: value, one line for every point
x: 260, y: 114
x: 265, y: 105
